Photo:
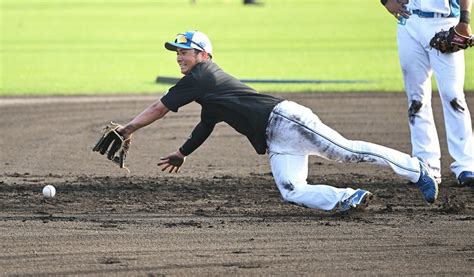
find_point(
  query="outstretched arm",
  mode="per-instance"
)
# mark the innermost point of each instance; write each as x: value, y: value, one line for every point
x: 152, y: 113
x: 115, y: 140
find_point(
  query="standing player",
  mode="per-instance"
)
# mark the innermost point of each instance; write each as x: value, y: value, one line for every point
x: 419, y: 20
x: 288, y: 132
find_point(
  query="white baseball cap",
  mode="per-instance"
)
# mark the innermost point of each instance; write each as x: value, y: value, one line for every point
x: 191, y: 40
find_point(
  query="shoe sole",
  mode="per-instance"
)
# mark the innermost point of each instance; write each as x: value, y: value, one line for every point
x: 364, y: 203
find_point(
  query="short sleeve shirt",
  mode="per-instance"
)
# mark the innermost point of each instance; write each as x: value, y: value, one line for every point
x: 224, y: 98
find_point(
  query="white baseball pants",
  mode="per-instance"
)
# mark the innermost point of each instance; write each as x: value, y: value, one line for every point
x: 294, y: 132
x: 418, y: 62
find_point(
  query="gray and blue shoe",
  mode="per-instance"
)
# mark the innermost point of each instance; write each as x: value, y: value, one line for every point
x: 427, y: 183
x: 358, y: 200
x: 466, y: 178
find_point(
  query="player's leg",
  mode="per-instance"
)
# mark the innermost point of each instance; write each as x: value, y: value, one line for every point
x: 449, y: 73
x: 295, y: 130
x: 290, y: 173
x: 416, y: 69
x: 331, y: 145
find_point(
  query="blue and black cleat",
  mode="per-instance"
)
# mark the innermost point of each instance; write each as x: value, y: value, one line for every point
x: 427, y: 184
x: 466, y: 178
x: 359, y: 200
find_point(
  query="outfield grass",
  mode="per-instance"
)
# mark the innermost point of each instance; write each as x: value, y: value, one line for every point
x: 93, y: 46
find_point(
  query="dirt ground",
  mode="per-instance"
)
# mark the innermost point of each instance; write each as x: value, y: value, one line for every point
x: 222, y: 215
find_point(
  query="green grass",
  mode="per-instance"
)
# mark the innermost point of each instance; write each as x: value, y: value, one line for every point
x: 92, y: 46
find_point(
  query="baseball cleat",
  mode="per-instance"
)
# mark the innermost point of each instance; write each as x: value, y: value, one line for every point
x: 466, y: 178
x: 427, y: 184
x: 359, y: 200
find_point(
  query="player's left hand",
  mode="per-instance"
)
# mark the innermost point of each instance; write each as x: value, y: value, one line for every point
x: 397, y: 8
x: 172, y: 162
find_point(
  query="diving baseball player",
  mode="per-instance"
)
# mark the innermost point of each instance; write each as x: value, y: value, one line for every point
x: 285, y: 130
x: 431, y: 37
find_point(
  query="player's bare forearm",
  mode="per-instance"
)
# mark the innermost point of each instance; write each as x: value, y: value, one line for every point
x: 464, y: 26
x: 466, y: 5
x: 152, y: 113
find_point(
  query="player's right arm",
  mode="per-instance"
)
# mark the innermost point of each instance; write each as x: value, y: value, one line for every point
x: 173, y: 161
x: 464, y: 26
x: 200, y: 133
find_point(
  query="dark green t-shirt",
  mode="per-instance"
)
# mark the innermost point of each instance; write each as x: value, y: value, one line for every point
x: 222, y: 98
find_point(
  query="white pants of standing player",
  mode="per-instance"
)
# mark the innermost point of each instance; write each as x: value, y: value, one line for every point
x: 418, y: 61
x: 294, y: 132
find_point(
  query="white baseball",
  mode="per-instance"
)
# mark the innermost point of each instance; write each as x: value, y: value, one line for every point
x: 49, y: 191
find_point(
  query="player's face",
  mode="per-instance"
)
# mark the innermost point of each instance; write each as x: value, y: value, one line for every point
x: 187, y: 59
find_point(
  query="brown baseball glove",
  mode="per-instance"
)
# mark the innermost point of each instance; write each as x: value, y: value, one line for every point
x: 450, y: 41
x: 114, y: 144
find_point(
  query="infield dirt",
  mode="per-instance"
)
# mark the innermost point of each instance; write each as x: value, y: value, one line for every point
x: 222, y: 215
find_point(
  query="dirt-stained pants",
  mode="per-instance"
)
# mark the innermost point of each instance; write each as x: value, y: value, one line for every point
x: 418, y: 62
x: 294, y: 132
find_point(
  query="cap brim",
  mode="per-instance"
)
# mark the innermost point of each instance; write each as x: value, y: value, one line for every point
x: 172, y: 46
